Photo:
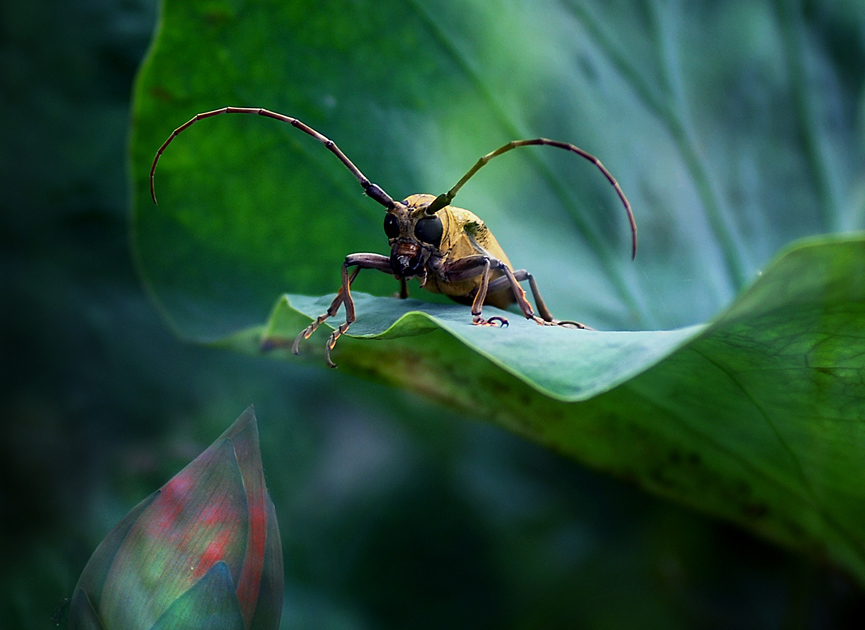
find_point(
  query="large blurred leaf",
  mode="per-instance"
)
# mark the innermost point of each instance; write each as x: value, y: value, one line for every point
x: 733, y: 127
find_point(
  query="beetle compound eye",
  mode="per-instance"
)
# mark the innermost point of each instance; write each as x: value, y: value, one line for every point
x: 391, y: 226
x: 429, y: 230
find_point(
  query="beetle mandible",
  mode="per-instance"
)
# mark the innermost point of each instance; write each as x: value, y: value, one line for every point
x: 449, y: 249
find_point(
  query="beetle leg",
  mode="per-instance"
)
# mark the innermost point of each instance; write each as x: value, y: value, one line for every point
x: 481, y: 295
x: 350, y: 314
x: 343, y: 296
x: 331, y: 311
x: 482, y: 266
x: 508, y: 279
x: 546, y: 318
x: 471, y: 267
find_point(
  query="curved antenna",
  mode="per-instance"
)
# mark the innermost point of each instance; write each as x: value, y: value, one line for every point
x: 374, y: 191
x: 446, y: 198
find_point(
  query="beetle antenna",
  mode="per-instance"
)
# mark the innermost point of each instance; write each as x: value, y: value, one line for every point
x: 374, y: 191
x: 446, y: 198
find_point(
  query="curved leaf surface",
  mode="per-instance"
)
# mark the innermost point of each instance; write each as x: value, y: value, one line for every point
x: 758, y: 416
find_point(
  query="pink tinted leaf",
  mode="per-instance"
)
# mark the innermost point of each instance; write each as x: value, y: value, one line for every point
x: 202, y: 548
x: 197, y: 519
x: 269, y: 607
x: 244, y: 437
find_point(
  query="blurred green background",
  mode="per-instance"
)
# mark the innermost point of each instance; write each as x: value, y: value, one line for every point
x: 394, y: 513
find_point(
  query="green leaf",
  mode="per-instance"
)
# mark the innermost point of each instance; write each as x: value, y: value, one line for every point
x: 757, y: 417
x: 732, y: 129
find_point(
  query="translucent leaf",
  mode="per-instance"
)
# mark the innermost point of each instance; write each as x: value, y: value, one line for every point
x: 203, y: 551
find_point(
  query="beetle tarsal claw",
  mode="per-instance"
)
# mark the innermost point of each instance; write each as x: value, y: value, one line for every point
x: 501, y: 322
x: 327, y: 358
x: 331, y: 342
x: 295, y: 347
x: 304, y: 334
x: 570, y: 324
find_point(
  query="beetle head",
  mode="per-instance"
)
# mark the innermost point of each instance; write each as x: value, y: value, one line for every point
x: 413, y: 234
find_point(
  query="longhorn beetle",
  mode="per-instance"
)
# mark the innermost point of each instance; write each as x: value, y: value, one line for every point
x: 449, y: 249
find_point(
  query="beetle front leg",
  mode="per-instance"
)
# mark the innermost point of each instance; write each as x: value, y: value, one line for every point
x: 306, y: 333
x: 350, y: 314
x: 360, y: 261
